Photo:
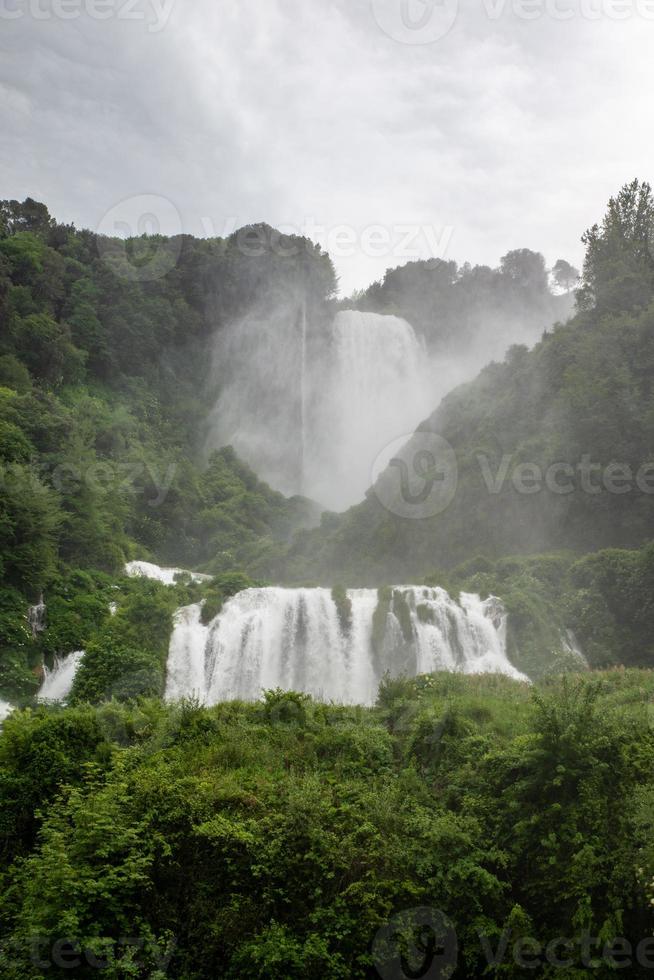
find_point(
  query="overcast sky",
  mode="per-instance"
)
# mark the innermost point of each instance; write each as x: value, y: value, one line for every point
x: 368, y: 125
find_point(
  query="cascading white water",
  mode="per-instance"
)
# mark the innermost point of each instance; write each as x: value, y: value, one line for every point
x: 376, y: 389
x: 186, y: 672
x: 300, y: 639
x: 167, y: 576
x: 570, y: 645
x: 311, y: 409
x: 303, y: 396
x: 58, y: 682
x: 36, y: 617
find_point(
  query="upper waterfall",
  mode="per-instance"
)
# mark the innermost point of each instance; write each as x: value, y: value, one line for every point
x: 307, y: 640
x: 311, y: 409
x: 376, y: 390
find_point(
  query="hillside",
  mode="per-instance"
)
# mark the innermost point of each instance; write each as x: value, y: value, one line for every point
x: 552, y: 448
x: 105, y: 379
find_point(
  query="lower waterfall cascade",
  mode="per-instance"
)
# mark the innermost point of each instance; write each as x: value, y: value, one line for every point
x: 335, y: 650
x: 167, y: 576
x: 58, y: 681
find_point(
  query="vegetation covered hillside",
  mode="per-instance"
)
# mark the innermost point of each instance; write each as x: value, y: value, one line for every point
x: 551, y: 449
x: 101, y: 443
x: 105, y: 384
x: 559, y: 604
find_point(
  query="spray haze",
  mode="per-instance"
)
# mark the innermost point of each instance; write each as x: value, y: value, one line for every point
x: 310, y: 410
x: 310, y: 401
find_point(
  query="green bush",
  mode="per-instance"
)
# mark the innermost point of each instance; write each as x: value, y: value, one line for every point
x: 289, y: 836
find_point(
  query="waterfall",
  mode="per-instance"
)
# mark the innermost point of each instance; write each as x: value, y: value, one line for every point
x: 167, y: 576
x: 472, y: 633
x: 301, y: 639
x: 303, y: 395
x: 311, y: 409
x: 58, y: 682
x: 377, y: 389
x: 570, y: 645
x: 36, y: 617
x: 186, y: 674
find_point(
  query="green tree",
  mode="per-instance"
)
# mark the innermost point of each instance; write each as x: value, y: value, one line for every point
x: 565, y: 275
x: 618, y: 270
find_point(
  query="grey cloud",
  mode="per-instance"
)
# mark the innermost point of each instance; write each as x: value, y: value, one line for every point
x: 296, y: 111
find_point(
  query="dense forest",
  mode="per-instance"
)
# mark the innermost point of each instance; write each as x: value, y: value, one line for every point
x: 460, y: 826
x: 463, y: 822
x: 105, y: 373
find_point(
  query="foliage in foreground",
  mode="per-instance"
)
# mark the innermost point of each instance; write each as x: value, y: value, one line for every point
x: 278, y: 839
